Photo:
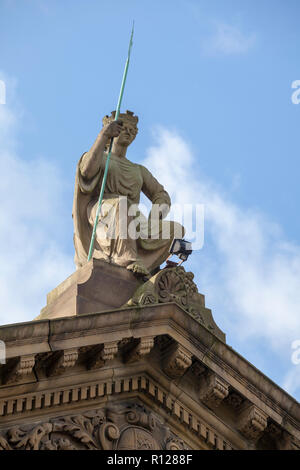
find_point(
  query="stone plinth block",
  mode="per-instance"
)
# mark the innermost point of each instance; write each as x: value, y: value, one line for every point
x: 96, y: 287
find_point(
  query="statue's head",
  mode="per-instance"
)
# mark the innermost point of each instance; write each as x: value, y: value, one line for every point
x: 129, y: 127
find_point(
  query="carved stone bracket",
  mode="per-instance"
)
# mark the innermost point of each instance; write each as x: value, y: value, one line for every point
x: 102, y: 354
x: 252, y: 422
x: 22, y: 366
x: 61, y: 361
x: 140, y: 349
x: 176, y: 361
x: 213, y: 390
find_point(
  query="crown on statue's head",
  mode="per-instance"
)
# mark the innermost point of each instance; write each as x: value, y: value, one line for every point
x: 127, y: 117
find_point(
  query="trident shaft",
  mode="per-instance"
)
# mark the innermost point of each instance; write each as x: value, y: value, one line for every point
x: 91, y: 249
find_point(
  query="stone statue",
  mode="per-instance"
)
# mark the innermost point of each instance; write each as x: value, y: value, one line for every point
x: 125, y: 180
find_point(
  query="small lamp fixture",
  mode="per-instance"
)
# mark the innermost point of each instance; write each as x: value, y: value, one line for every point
x: 181, y: 248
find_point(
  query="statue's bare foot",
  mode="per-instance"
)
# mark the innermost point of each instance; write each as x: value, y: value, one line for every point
x: 138, y: 269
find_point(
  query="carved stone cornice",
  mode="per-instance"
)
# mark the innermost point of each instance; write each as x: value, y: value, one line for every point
x: 252, y: 422
x: 61, y: 361
x: 21, y: 367
x: 42, y: 337
x: 169, y: 322
x: 140, y: 348
x: 102, y: 354
x: 176, y: 360
x: 213, y: 390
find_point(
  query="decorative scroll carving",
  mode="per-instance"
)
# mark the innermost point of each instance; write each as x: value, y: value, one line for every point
x: 252, y: 422
x: 80, y: 427
x: 176, y: 360
x: 100, y: 355
x: 175, y: 444
x: 61, y: 361
x: 213, y: 390
x: 122, y: 426
x: 21, y: 367
x: 108, y: 433
x: 176, y: 285
x: 140, y: 349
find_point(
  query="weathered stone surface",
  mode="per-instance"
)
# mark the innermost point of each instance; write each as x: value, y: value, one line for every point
x: 96, y: 287
x: 20, y: 367
x: 176, y: 285
x: 99, y: 286
x: 176, y: 360
x: 61, y: 373
x: 121, y: 426
x: 213, y: 390
x: 116, y: 239
x: 252, y: 422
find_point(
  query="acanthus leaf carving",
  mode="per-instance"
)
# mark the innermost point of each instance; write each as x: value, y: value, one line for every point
x: 120, y: 426
x: 23, y: 439
x: 79, y: 427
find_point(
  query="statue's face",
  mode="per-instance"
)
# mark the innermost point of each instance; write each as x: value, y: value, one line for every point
x: 127, y: 135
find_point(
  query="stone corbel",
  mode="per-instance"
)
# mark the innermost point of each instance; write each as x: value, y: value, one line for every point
x: 102, y: 354
x: 22, y: 367
x: 252, y: 422
x: 139, y: 350
x: 176, y: 361
x: 213, y: 390
x: 62, y: 360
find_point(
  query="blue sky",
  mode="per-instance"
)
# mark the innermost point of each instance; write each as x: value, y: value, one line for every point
x: 211, y: 82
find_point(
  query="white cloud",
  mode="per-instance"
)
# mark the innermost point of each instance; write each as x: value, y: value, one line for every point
x: 251, y: 275
x: 228, y: 40
x: 31, y: 215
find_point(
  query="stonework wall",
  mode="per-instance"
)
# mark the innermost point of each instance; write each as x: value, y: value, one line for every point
x: 141, y: 377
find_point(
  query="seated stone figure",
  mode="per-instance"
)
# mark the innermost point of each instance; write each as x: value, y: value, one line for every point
x: 140, y: 253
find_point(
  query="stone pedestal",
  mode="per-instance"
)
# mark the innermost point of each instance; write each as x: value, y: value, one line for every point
x: 96, y: 287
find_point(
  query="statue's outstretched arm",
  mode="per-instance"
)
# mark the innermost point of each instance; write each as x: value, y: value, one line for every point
x: 91, y: 161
